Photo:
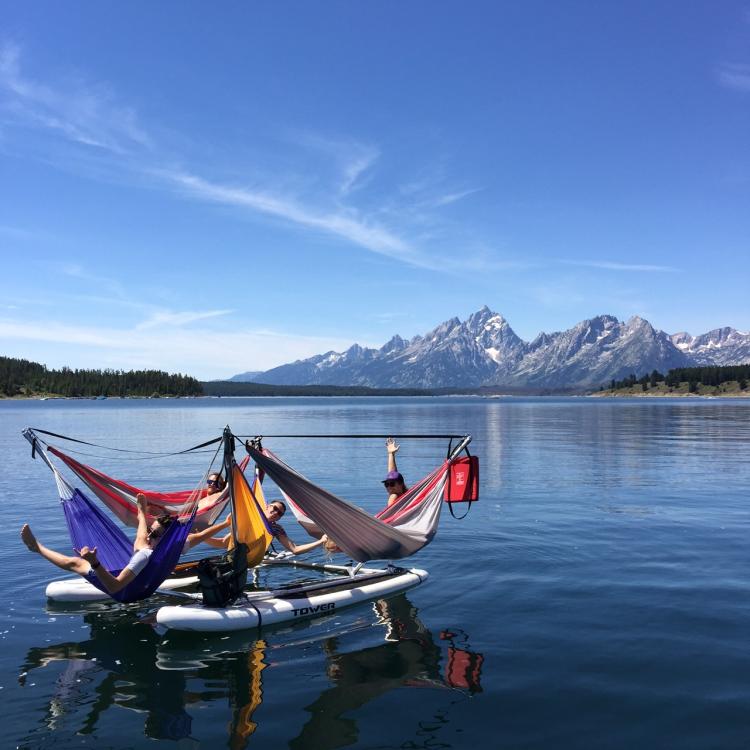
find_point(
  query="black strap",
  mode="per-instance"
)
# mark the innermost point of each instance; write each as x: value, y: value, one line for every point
x: 35, y: 430
x: 458, y: 518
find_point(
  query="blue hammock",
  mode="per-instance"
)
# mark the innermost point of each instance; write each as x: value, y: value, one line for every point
x: 88, y: 526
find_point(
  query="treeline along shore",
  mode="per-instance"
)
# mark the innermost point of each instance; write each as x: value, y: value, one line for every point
x: 234, y: 388
x: 730, y: 380
x: 20, y: 377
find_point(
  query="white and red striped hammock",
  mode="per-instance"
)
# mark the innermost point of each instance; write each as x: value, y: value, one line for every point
x: 397, y: 531
x: 120, y: 497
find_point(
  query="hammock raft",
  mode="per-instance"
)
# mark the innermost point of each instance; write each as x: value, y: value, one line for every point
x: 396, y: 532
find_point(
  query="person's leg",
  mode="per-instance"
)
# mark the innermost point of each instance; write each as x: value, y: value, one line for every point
x: 141, y: 535
x: 72, y: 564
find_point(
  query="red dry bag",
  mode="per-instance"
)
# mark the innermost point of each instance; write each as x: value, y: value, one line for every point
x: 463, y: 480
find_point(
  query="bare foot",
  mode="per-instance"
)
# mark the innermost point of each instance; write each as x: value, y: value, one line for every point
x: 142, y: 503
x: 28, y: 538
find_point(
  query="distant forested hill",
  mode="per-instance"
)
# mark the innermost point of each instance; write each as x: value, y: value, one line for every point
x: 20, y: 377
x: 239, y: 388
x: 701, y: 380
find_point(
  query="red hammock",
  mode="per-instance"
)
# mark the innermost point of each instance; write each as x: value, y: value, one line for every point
x: 120, y: 497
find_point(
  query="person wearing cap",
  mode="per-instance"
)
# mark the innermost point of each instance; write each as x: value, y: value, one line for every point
x: 394, y: 481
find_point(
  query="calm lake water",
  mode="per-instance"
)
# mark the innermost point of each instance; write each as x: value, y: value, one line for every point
x: 598, y: 595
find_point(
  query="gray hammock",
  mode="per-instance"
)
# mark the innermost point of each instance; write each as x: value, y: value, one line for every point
x: 397, y: 531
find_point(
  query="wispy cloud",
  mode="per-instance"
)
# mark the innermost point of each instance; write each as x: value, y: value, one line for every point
x: 354, y: 169
x: 448, y: 198
x: 611, y: 266
x: 345, y: 225
x: 352, y: 158
x: 89, y: 115
x: 168, y: 318
x: 18, y: 233
x: 432, y: 189
x: 165, y: 348
x: 80, y: 112
x: 115, y: 291
x: 734, y: 76
x: 156, y: 315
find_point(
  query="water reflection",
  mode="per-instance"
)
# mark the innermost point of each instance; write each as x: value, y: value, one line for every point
x: 114, y: 666
x: 127, y: 664
x: 410, y: 657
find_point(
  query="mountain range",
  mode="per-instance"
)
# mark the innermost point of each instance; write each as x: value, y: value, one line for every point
x: 483, y: 350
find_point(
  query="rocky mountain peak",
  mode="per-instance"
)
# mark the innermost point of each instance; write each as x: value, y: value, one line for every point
x: 636, y: 322
x: 395, y: 344
x: 484, y: 318
x: 721, y: 346
x: 442, y: 331
x: 484, y: 350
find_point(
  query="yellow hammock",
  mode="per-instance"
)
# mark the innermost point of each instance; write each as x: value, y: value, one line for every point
x: 250, y: 519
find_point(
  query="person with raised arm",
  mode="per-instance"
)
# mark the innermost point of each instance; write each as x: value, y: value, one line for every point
x: 394, y: 481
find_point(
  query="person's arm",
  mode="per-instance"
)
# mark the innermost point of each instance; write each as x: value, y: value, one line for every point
x: 206, y: 535
x: 112, y: 583
x: 392, y: 448
x: 141, y: 536
x: 222, y: 543
x: 298, y: 549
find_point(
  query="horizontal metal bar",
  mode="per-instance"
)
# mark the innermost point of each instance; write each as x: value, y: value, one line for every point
x: 384, y: 435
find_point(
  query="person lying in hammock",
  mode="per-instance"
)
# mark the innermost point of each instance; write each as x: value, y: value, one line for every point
x: 274, y: 511
x: 394, y: 481
x: 215, y: 485
x: 146, y: 539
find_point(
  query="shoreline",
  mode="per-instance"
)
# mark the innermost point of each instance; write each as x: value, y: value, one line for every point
x: 650, y: 394
x: 737, y: 395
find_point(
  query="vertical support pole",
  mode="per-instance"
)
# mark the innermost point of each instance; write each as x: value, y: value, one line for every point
x: 229, y: 472
x: 465, y: 440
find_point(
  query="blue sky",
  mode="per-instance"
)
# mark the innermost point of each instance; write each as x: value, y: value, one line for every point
x: 217, y: 188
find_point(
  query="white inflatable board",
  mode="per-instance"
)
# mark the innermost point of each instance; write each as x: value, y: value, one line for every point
x: 260, y: 608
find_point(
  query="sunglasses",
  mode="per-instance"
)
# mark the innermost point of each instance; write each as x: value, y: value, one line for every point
x: 392, y: 483
x: 277, y: 510
x: 155, y: 533
x: 214, y: 482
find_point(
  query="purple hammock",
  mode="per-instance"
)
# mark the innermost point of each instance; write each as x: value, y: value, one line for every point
x: 88, y: 526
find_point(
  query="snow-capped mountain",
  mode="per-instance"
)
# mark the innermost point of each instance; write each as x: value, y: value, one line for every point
x: 722, y: 346
x: 484, y: 350
x: 595, y: 351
